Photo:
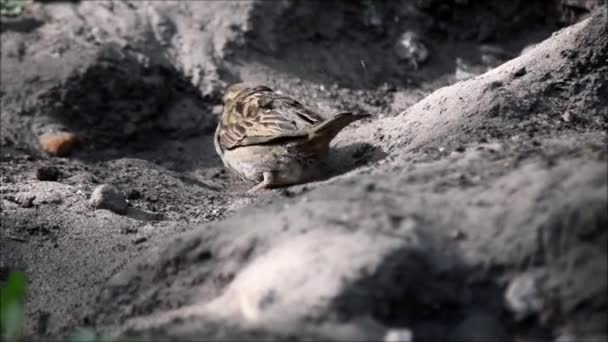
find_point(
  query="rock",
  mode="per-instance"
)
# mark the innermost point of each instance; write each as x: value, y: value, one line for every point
x: 523, y: 296
x: 399, y: 335
x: 140, y: 240
x: 108, y: 197
x: 59, y: 144
x: 47, y: 173
x: 457, y: 234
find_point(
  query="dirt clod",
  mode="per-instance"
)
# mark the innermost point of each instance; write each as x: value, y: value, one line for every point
x: 47, y: 173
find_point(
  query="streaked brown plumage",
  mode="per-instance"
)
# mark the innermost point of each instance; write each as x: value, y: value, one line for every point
x: 272, y: 139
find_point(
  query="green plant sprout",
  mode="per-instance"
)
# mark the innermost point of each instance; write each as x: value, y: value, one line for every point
x: 12, y: 314
x: 88, y: 335
x: 12, y: 307
x: 11, y: 8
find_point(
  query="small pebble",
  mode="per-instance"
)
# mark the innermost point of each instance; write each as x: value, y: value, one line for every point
x: 217, y: 110
x: 524, y: 296
x: 457, y: 234
x: 47, y: 173
x: 108, y: 197
x: 567, y: 116
x: 140, y: 240
x: 399, y: 335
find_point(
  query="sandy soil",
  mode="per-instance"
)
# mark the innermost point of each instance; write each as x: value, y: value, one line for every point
x: 472, y: 206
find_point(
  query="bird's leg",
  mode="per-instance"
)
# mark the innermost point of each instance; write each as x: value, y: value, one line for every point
x: 268, y: 180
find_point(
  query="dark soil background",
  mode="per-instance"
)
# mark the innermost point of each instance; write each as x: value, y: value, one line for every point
x: 470, y: 207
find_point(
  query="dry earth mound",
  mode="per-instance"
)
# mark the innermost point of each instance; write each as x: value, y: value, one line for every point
x: 471, y: 207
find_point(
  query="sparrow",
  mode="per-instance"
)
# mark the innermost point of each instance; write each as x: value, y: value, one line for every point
x: 273, y: 140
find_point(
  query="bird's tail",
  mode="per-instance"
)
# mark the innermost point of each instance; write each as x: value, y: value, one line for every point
x: 327, y: 130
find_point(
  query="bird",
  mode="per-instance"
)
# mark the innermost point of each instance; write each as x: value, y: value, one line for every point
x: 273, y: 140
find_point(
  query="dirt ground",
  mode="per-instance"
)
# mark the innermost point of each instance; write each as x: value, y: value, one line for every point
x: 470, y: 207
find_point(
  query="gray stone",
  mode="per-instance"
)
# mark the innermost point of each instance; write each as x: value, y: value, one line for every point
x: 523, y: 296
x: 399, y: 335
x: 108, y: 197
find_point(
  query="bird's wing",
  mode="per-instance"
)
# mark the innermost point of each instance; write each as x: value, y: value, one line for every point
x: 261, y: 117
